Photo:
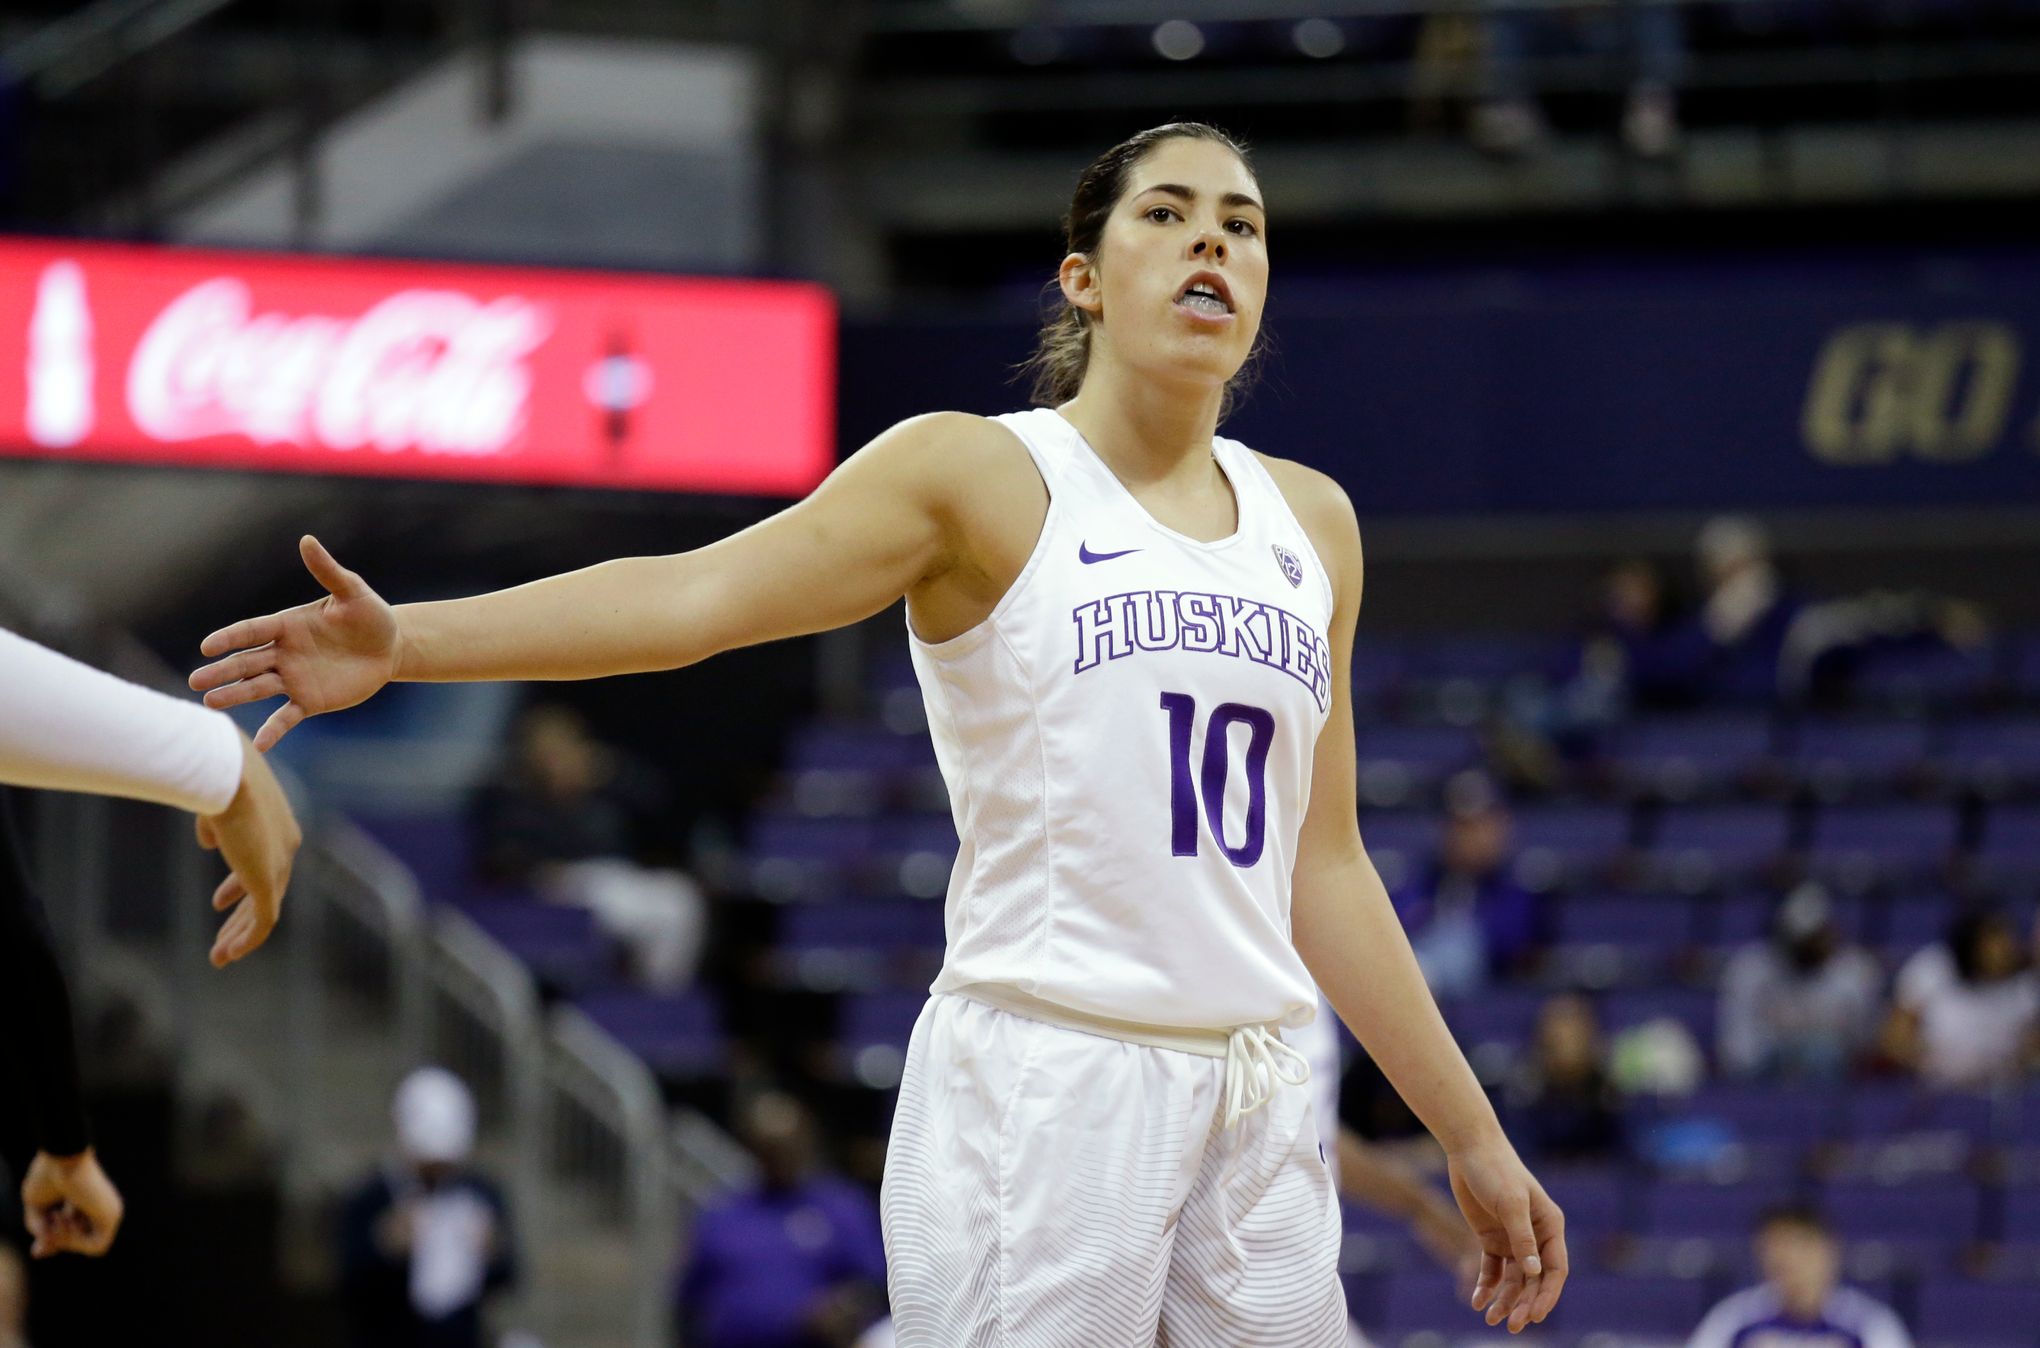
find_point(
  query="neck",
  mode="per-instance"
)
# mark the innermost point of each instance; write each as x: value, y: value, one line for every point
x: 1147, y: 432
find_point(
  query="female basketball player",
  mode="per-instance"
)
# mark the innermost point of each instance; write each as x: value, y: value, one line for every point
x: 1133, y: 639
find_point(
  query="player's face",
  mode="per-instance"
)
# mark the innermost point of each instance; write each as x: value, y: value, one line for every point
x: 1190, y: 222
x: 1801, y: 1264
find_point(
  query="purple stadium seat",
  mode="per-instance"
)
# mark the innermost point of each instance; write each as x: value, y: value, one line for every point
x: 559, y: 943
x: 434, y: 847
x: 917, y: 833
x: 1997, y: 753
x: 1633, y: 920
x: 1938, y: 1214
x: 1431, y: 750
x: 867, y: 924
x: 2025, y: 663
x: 1690, y: 1007
x: 1488, y: 659
x: 1379, y: 668
x: 801, y: 838
x: 1495, y: 1015
x: 1685, y: 755
x: 1884, y: 1109
x: 1732, y: 838
x: 1698, y: 1208
x: 1648, y: 1308
x: 869, y: 747
x: 1577, y: 836
x: 1985, y: 1314
x: 1834, y: 753
x: 1594, y: 1198
x: 1902, y: 839
x: 677, y: 1036
x: 1425, y: 1298
x: 2011, y: 835
x: 1783, y: 1115
x: 1915, y: 920
x: 2022, y: 1214
x: 1920, y: 676
x: 881, y: 1018
x: 1737, y: 919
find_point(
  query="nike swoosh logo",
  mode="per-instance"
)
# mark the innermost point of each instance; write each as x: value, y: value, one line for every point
x: 1090, y: 558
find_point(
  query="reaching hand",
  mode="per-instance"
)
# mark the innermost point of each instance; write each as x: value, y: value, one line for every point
x: 259, y: 837
x: 328, y: 655
x: 1521, y: 1232
x: 70, y: 1204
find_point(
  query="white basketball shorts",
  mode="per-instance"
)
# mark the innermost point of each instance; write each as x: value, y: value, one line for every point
x: 1049, y: 1188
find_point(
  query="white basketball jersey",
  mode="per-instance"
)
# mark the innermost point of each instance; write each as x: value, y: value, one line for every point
x: 1127, y: 742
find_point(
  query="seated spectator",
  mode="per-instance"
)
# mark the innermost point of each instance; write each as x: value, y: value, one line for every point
x: 1561, y: 1101
x: 1800, y: 1301
x: 425, y: 1240
x: 561, y: 818
x: 796, y: 1262
x: 1649, y: 39
x: 13, y: 1299
x: 1967, y: 1009
x: 1802, y: 1004
x: 1468, y: 917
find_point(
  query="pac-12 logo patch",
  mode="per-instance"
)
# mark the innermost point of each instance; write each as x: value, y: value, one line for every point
x: 1292, y: 569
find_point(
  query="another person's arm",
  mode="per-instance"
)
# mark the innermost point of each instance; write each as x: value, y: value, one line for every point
x: 1370, y: 1175
x: 66, y: 1198
x: 1347, y: 932
x: 69, y: 727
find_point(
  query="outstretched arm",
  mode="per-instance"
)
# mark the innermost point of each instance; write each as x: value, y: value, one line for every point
x: 883, y: 522
x: 1348, y: 934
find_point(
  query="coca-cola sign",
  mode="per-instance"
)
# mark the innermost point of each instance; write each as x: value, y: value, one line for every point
x: 315, y: 365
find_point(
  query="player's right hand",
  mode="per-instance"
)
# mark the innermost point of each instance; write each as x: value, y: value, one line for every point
x: 70, y: 1204
x: 259, y: 837
x: 328, y: 655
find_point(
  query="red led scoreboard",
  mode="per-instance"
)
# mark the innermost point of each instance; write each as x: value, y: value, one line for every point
x: 493, y: 374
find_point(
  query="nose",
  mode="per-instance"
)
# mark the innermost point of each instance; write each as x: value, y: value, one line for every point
x: 1209, y: 246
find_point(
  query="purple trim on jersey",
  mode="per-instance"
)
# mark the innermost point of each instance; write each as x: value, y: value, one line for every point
x: 1165, y: 620
x: 1782, y: 1331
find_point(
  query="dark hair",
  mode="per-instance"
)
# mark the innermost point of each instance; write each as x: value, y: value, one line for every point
x: 1801, y: 1215
x: 1063, y: 351
x: 1966, y: 935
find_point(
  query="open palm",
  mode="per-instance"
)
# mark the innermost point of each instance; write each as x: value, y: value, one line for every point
x: 328, y: 655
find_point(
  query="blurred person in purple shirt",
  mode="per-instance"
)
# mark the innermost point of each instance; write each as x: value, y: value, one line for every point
x: 796, y: 1262
x: 1468, y: 917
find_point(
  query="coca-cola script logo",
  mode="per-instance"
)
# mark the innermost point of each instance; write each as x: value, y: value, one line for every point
x: 430, y: 370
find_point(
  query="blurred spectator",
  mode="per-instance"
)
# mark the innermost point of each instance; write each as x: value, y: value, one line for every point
x: 1649, y: 39
x: 561, y: 819
x: 1468, y: 917
x: 1800, y: 1301
x: 1967, y: 1009
x: 425, y: 1240
x: 1561, y: 1102
x: 13, y: 1298
x: 796, y: 1262
x: 1802, y: 1003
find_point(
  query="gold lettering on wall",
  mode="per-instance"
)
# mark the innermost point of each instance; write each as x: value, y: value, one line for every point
x: 1880, y: 391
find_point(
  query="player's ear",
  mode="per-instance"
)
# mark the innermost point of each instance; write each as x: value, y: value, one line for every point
x: 1078, y: 277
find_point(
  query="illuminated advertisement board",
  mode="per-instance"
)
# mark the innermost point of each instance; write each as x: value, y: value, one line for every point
x: 316, y: 365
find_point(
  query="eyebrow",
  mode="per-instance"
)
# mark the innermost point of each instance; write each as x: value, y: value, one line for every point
x: 1189, y: 194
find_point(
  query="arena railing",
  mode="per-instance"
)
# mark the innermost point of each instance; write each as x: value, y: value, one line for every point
x: 362, y: 983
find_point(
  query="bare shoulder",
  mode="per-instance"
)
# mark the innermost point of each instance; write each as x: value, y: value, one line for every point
x: 947, y: 452
x: 1320, y: 505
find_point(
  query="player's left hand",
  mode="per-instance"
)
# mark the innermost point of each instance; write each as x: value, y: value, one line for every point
x: 1521, y: 1233
x: 70, y: 1204
x: 259, y: 837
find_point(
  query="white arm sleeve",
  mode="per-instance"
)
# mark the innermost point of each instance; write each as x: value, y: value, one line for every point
x: 70, y: 727
x: 1718, y: 1329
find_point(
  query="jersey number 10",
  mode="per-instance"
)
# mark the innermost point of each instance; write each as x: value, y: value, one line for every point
x: 1217, y: 766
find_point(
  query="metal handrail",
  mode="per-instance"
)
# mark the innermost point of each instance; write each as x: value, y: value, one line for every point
x: 611, y: 1083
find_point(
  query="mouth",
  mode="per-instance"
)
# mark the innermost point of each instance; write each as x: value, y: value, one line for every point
x: 1207, y: 296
